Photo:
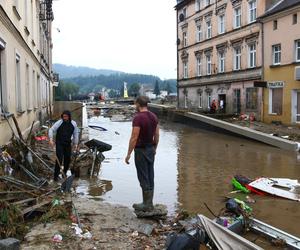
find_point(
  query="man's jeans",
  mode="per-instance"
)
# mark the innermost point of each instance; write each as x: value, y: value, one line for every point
x: 144, y: 162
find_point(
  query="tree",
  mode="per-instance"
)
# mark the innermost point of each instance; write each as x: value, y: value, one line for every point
x: 113, y: 93
x: 66, y: 90
x: 134, y: 89
x: 156, y: 89
x: 168, y: 88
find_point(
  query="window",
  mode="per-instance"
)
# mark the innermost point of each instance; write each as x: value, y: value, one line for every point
x: 252, y: 11
x: 208, y: 100
x: 28, y: 93
x: 200, y: 100
x: 251, y: 98
x: 199, y: 66
x: 18, y: 85
x: 221, y: 62
x: 185, y: 69
x: 221, y: 24
x: 185, y: 42
x: 237, y: 58
x: 208, y: 29
x: 34, y: 89
x: 275, y: 24
x: 237, y: 17
x: 208, y: 64
x: 199, y: 33
x: 38, y: 91
x: 276, y: 52
x: 275, y: 101
x: 184, y: 12
x: 2, y: 68
x: 252, y: 56
x: 208, y: 2
x: 198, y: 5
x: 295, y: 19
x: 297, y: 49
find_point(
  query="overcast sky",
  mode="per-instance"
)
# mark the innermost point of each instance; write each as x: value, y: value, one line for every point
x: 134, y: 36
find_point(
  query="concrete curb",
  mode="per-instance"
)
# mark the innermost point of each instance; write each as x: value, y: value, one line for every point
x: 232, y: 128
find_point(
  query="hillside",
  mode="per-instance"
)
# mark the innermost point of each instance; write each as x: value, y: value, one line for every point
x: 93, y: 80
x: 66, y: 71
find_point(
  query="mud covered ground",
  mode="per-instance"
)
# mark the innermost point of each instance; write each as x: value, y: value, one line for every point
x: 111, y: 226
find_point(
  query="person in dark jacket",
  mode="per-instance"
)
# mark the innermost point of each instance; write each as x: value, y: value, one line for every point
x: 66, y: 129
x: 144, y: 140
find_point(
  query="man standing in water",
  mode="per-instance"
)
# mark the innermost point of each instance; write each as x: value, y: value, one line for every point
x: 144, y: 140
x: 65, y: 129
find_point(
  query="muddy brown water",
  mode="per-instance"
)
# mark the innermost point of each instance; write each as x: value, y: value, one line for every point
x: 194, y: 167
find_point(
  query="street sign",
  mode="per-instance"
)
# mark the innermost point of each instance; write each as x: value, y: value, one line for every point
x: 277, y: 84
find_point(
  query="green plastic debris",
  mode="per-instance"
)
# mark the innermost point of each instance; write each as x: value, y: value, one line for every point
x: 243, y: 205
x: 239, y: 186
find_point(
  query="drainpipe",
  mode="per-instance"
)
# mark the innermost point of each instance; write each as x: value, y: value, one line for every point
x: 177, y: 55
x: 263, y: 67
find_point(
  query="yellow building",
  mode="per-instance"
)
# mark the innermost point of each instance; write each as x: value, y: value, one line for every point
x: 26, y: 85
x: 281, y: 28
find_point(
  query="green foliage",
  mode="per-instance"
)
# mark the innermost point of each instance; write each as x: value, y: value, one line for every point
x: 156, y: 89
x: 65, y: 90
x: 113, y: 93
x: 134, y: 89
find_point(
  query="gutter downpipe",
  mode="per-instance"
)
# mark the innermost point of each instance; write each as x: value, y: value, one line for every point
x: 263, y: 67
x: 177, y: 55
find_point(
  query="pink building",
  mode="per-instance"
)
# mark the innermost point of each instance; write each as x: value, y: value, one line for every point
x: 220, y: 54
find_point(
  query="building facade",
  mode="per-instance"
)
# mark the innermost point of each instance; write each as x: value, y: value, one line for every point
x: 26, y: 85
x: 281, y: 26
x: 220, y: 54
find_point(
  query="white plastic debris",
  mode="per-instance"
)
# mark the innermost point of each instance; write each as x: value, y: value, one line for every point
x: 87, y: 235
x: 135, y: 234
x: 69, y: 173
x: 57, y: 238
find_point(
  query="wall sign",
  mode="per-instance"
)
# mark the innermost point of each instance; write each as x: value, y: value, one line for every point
x: 277, y: 84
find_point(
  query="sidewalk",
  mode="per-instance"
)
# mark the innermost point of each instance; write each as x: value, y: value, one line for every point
x: 287, y: 132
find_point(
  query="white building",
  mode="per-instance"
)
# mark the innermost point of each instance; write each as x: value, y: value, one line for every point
x: 26, y: 85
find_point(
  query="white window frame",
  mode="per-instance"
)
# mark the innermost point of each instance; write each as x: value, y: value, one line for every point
x: 208, y: 100
x: 221, y: 24
x: 208, y: 29
x: 237, y: 56
x: 199, y: 66
x: 237, y: 19
x: 252, y: 55
x: 208, y: 65
x: 221, y: 61
x: 185, y: 38
x: 3, y: 86
x: 185, y: 70
x: 198, y: 5
x: 18, y: 85
x: 199, y: 33
x: 271, y: 101
x: 34, y: 89
x: 200, y: 100
x: 297, y: 50
x: 276, y: 53
x: 252, y: 11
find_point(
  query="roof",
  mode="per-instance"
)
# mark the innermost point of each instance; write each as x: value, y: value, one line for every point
x: 281, y: 6
x: 181, y: 3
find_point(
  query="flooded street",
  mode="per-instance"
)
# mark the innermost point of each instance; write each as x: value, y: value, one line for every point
x: 194, y: 167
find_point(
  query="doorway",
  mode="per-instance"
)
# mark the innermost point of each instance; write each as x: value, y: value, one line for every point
x: 296, y: 106
x: 222, y: 103
x: 237, y: 101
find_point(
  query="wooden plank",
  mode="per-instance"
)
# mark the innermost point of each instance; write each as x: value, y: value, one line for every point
x: 30, y: 209
x: 24, y: 201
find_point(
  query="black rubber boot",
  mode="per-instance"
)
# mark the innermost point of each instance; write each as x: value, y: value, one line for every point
x: 140, y: 206
x: 147, y: 204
